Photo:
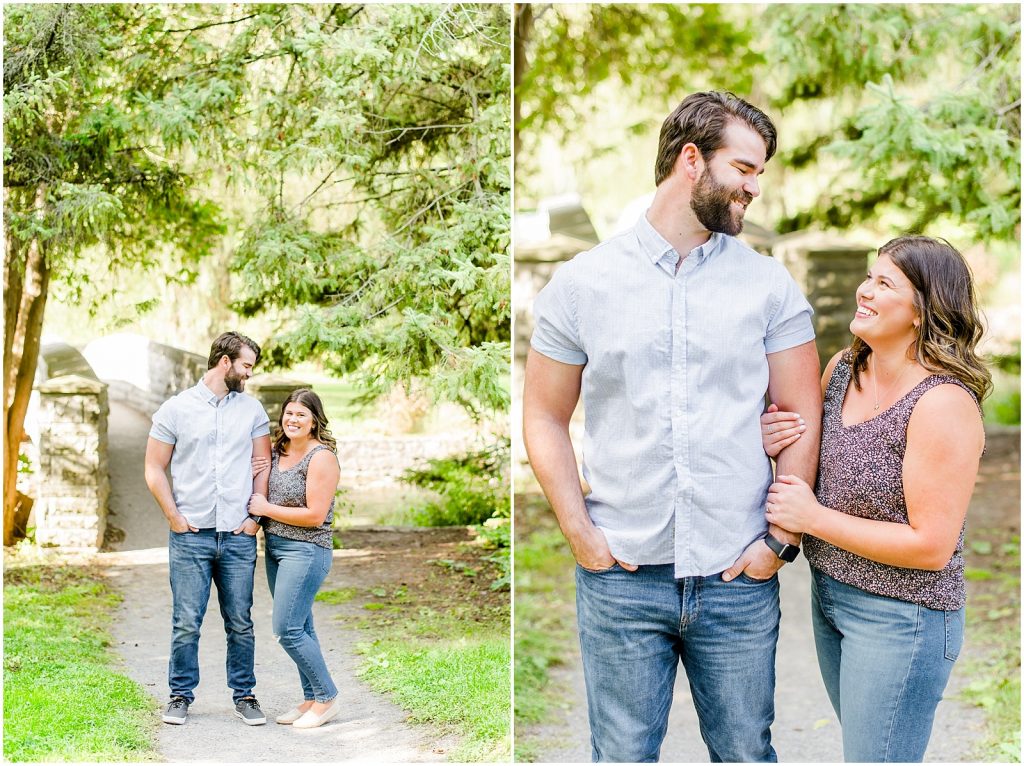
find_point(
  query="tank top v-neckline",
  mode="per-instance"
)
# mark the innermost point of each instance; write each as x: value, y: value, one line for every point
x: 877, y: 415
x: 305, y: 458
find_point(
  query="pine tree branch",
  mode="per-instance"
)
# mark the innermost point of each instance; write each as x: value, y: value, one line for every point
x: 212, y: 24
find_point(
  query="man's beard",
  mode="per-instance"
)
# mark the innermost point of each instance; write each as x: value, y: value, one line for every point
x: 234, y: 382
x: 710, y: 202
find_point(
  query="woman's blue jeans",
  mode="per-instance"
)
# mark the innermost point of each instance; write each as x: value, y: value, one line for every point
x: 635, y: 629
x: 295, y: 571
x: 885, y: 664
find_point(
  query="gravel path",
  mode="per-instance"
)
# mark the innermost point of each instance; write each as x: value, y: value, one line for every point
x: 370, y: 729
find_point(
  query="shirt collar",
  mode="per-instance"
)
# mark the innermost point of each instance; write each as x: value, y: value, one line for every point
x: 207, y: 395
x: 657, y: 247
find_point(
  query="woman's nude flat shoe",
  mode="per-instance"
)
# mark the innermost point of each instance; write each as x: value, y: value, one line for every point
x: 291, y: 716
x: 311, y: 720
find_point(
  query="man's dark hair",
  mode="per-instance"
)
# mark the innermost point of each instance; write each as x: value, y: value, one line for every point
x: 701, y: 120
x: 230, y: 343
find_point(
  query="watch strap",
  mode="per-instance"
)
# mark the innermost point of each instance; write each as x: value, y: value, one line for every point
x: 784, y: 551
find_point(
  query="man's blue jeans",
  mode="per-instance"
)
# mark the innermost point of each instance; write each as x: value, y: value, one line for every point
x: 635, y: 628
x: 295, y: 571
x: 885, y: 664
x: 197, y: 559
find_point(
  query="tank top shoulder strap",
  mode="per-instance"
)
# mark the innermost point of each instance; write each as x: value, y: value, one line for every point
x: 309, y: 455
x: 835, y: 391
x: 904, y: 408
x: 931, y: 382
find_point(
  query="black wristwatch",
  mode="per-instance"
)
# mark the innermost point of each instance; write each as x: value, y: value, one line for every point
x: 784, y: 551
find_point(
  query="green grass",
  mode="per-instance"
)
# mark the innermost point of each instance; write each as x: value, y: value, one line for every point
x: 543, y: 609
x: 993, y: 615
x: 63, y: 701
x: 447, y: 664
x: 460, y: 684
x: 339, y: 400
x: 339, y: 596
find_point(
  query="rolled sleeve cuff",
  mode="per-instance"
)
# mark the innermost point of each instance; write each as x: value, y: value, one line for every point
x: 558, y: 354
x: 261, y: 430
x: 788, y: 340
x: 162, y: 435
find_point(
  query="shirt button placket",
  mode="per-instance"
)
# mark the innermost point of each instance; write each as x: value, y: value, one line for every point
x: 677, y: 376
x: 218, y: 452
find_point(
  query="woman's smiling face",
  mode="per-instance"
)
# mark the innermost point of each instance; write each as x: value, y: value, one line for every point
x: 296, y: 421
x: 885, y: 304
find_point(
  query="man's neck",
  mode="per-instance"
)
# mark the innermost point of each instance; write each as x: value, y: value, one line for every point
x: 672, y: 218
x: 214, y: 381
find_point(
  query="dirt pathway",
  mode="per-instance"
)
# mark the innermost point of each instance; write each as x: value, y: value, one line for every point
x: 806, y: 729
x: 370, y: 729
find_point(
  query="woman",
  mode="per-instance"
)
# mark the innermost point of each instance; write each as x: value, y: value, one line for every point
x: 884, y: 534
x: 296, y: 518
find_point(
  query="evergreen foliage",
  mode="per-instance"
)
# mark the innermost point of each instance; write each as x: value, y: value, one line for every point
x: 894, y: 115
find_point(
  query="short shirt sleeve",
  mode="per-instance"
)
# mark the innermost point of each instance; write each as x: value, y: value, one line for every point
x: 261, y: 422
x: 556, y: 328
x: 164, y: 428
x: 790, y: 324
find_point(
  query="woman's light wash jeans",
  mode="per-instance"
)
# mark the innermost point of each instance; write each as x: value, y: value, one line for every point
x: 885, y: 664
x: 295, y: 571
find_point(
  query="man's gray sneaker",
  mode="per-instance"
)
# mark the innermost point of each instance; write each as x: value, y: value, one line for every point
x: 248, y: 709
x: 176, y: 711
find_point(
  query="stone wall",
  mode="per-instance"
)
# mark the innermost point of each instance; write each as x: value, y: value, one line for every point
x: 379, y: 462
x: 73, y: 482
x: 142, y: 373
x: 828, y: 271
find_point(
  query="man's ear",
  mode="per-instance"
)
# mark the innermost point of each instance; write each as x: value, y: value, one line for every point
x: 690, y: 162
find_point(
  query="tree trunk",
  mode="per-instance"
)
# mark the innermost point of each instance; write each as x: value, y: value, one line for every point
x: 524, y: 28
x: 23, y: 327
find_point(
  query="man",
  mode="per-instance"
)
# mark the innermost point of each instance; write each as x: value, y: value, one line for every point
x: 674, y: 331
x: 208, y: 435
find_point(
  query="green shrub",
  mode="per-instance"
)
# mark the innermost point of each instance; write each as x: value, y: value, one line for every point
x: 473, y: 487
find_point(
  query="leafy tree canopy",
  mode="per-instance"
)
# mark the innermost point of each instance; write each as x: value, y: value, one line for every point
x: 369, y: 144
x: 891, y: 115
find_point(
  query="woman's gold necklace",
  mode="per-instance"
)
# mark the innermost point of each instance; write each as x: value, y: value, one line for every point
x: 874, y: 384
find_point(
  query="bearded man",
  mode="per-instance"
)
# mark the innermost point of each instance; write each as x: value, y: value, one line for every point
x: 208, y: 434
x: 674, y: 331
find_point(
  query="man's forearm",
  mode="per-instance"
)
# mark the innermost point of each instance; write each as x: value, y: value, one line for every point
x: 160, y: 488
x: 554, y: 464
x: 261, y: 484
x: 799, y: 459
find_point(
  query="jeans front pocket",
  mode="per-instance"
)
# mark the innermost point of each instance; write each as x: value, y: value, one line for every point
x: 954, y: 633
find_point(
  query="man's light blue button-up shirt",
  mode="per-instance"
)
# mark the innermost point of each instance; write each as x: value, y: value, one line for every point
x: 673, y: 387
x: 211, y: 469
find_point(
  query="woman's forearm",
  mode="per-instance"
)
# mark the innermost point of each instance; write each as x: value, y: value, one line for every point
x: 886, y: 542
x: 299, y: 516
